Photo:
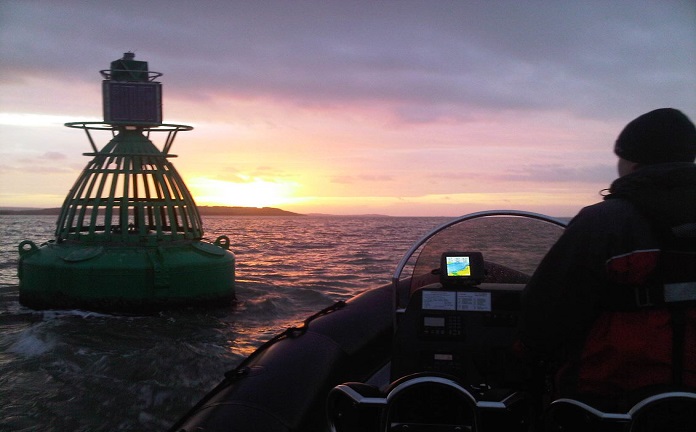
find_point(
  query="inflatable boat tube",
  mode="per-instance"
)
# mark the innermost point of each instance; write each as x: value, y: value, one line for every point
x: 283, y: 386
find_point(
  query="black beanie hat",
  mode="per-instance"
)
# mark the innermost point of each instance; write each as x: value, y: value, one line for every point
x: 663, y: 135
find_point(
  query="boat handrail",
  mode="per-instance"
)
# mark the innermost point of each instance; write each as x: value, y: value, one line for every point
x: 386, y: 402
x: 632, y: 416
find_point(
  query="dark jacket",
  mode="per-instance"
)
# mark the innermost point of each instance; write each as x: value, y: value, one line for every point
x: 575, y: 312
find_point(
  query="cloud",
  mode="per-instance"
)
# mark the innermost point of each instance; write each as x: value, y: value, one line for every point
x: 54, y: 156
x: 426, y: 62
x: 249, y: 175
x: 560, y: 174
x: 36, y: 168
x: 361, y: 178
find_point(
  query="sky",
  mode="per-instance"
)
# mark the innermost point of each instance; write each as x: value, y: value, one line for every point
x: 402, y: 108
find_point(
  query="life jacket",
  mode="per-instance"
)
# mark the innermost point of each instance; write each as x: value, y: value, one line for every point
x: 646, y: 335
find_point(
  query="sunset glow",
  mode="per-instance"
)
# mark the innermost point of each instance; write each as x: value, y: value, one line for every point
x: 254, y: 192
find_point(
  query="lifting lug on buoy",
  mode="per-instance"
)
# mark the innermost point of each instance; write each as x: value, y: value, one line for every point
x: 223, y: 241
x: 23, y: 250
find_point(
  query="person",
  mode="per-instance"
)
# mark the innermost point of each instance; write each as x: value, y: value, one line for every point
x: 600, y: 308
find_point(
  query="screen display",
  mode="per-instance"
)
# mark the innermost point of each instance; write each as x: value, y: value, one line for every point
x: 461, y: 269
x: 434, y: 321
x: 458, y: 266
x: 443, y: 357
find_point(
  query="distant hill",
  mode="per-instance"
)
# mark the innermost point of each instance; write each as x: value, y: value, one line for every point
x: 30, y: 211
x: 368, y: 215
x: 244, y: 211
x: 204, y: 211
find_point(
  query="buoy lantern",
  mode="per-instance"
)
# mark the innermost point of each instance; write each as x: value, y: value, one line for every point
x: 129, y: 236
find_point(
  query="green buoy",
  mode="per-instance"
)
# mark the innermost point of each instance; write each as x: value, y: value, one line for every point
x: 129, y: 237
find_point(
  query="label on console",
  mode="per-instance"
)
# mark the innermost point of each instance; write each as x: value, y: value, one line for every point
x: 474, y: 301
x: 439, y: 300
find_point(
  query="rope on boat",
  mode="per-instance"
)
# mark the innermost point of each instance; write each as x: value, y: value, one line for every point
x: 291, y: 332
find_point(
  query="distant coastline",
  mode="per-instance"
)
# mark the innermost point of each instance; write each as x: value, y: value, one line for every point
x: 203, y: 210
x: 244, y: 211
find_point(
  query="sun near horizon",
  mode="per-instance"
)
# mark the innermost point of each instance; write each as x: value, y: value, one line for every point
x: 253, y: 192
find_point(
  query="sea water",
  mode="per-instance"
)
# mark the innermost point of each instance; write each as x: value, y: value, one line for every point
x: 73, y: 370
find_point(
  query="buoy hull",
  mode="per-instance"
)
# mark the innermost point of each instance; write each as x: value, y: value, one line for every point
x: 118, y: 278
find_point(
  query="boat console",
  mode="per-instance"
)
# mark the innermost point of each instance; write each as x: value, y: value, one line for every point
x: 451, y: 367
x: 439, y: 334
x: 460, y: 326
